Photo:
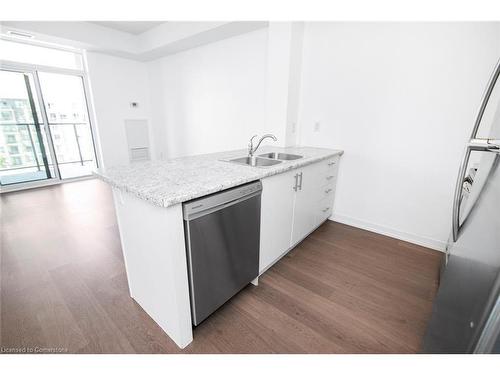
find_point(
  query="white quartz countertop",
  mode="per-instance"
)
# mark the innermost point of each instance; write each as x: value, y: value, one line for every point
x: 169, y: 182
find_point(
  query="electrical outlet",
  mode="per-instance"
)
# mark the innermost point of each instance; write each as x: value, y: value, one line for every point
x: 317, y: 126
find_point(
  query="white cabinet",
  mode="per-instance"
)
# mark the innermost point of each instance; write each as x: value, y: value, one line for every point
x: 305, y: 214
x: 276, y: 217
x: 328, y: 179
x: 293, y: 204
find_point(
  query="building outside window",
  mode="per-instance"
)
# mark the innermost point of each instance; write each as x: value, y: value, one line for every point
x: 7, y: 116
x: 16, y: 160
x: 13, y: 150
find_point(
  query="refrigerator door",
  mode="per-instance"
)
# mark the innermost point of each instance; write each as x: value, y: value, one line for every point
x: 463, y: 317
x: 486, y: 129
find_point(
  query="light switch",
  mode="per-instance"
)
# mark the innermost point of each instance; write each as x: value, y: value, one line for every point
x: 317, y: 126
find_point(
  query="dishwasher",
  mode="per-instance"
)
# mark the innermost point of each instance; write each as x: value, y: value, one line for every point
x: 222, y: 243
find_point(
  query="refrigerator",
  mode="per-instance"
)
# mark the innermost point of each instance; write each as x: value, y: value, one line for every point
x: 466, y: 311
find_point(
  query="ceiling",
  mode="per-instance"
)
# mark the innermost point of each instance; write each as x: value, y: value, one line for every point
x: 132, y: 41
x: 131, y: 27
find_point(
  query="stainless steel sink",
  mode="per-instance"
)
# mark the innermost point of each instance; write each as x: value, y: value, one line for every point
x: 255, y: 161
x: 280, y: 156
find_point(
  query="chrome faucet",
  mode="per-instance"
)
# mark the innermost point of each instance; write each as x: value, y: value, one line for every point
x: 251, y: 149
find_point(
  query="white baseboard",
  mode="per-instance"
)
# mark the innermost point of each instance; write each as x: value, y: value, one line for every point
x: 391, y: 232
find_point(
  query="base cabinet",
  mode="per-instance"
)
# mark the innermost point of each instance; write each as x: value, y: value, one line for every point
x: 305, y: 213
x: 276, y: 217
x: 293, y: 204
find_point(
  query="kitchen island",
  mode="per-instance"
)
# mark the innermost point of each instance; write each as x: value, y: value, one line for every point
x: 148, y: 200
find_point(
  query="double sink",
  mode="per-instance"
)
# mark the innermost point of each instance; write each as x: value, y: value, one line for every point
x: 265, y: 160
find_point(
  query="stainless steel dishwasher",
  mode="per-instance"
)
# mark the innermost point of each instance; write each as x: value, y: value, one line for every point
x: 222, y: 241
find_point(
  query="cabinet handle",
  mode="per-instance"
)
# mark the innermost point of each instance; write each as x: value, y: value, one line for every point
x: 325, y: 209
x: 327, y: 191
x: 330, y: 177
x: 331, y: 163
x: 296, y: 181
x: 300, y: 183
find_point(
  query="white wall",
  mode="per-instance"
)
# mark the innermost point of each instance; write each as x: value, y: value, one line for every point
x: 115, y: 83
x: 211, y: 98
x: 400, y: 99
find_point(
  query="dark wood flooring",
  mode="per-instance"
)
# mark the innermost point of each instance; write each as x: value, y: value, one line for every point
x: 63, y: 285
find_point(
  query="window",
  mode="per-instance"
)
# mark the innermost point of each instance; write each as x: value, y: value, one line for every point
x: 7, y: 116
x: 13, y: 150
x: 31, y: 54
x: 61, y: 145
x: 72, y: 138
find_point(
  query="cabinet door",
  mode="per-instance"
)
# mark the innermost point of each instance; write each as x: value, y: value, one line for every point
x: 305, y: 216
x: 276, y: 217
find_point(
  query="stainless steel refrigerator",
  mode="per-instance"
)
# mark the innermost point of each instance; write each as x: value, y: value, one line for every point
x: 466, y: 312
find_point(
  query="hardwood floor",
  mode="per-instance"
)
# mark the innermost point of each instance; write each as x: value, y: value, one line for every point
x: 63, y: 285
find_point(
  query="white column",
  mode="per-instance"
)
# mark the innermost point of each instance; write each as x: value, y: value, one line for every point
x: 284, y: 56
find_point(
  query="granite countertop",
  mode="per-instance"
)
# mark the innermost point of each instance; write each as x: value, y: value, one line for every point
x: 168, y: 182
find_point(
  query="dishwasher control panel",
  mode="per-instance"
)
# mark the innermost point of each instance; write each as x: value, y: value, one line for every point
x: 219, y: 198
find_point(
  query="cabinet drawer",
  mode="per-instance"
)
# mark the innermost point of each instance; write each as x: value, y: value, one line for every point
x: 325, y: 208
x: 328, y: 179
x: 327, y: 192
x: 330, y: 165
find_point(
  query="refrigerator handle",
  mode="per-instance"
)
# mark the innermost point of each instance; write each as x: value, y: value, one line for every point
x: 455, y: 216
x: 486, y: 97
x: 488, y: 145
